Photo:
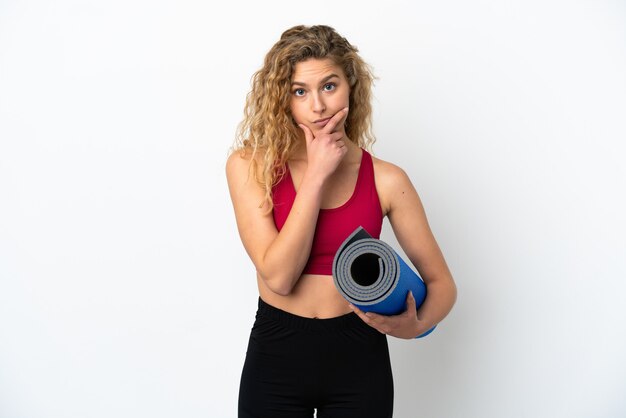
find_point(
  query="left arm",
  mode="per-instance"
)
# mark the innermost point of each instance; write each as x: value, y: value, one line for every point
x: 402, y: 205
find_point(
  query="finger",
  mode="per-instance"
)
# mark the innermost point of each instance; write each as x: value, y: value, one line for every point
x: 355, y: 309
x: 410, y: 302
x: 379, y: 322
x: 308, y: 135
x: 375, y: 317
x: 335, y: 136
x: 335, y: 120
x: 361, y: 314
x: 368, y: 318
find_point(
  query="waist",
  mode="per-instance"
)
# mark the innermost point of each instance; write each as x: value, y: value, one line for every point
x: 313, y: 296
x: 294, y: 321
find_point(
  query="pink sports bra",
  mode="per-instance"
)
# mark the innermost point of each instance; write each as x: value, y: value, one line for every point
x: 336, y: 224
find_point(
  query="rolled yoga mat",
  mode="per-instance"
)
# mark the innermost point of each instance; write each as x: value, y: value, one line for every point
x: 372, y: 276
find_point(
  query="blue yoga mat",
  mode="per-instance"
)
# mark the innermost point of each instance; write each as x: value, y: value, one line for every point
x: 372, y: 276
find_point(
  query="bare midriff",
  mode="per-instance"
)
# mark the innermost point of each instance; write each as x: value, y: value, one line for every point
x: 313, y: 296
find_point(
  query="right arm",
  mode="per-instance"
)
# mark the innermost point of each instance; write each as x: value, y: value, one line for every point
x: 280, y: 257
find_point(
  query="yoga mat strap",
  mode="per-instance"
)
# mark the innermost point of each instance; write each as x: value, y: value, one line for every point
x: 371, y: 275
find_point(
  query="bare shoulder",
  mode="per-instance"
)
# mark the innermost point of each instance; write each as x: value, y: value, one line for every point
x: 238, y: 160
x: 240, y: 167
x: 388, y: 172
x: 392, y: 183
x: 242, y: 174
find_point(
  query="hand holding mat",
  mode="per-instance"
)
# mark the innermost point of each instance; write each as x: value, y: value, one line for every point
x: 372, y: 276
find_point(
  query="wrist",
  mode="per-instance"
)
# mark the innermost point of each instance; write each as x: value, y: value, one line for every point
x: 312, y: 180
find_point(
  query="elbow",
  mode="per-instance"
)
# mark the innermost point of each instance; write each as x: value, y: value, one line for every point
x: 451, y: 292
x: 282, y: 286
x: 282, y: 291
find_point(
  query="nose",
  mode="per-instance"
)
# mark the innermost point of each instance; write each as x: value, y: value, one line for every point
x: 317, y: 103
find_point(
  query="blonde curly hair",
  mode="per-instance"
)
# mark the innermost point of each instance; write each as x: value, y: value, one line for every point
x: 268, y: 129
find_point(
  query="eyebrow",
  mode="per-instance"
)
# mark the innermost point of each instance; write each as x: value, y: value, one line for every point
x: 324, y: 80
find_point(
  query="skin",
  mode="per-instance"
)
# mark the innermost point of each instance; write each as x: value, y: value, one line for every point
x: 324, y: 169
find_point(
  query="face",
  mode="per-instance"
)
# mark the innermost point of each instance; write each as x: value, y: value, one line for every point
x: 319, y: 89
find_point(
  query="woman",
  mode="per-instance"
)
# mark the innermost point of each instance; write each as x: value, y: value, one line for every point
x: 301, y: 180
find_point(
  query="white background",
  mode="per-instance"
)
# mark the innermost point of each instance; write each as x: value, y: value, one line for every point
x: 124, y: 288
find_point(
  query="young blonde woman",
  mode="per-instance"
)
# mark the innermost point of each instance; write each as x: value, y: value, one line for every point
x: 301, y: 180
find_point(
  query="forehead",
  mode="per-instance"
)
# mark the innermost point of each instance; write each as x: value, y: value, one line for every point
x: 315, y: 68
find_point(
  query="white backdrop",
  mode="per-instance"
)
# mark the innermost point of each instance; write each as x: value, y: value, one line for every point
x: 125, y: 291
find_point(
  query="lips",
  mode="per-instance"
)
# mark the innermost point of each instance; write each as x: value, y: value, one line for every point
x: 321, y: 122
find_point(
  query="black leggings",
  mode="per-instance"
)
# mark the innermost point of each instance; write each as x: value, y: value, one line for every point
x: 294, y: 364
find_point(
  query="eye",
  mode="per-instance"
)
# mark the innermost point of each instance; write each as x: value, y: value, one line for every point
x: 298, y: 92
x: 329, y: 87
